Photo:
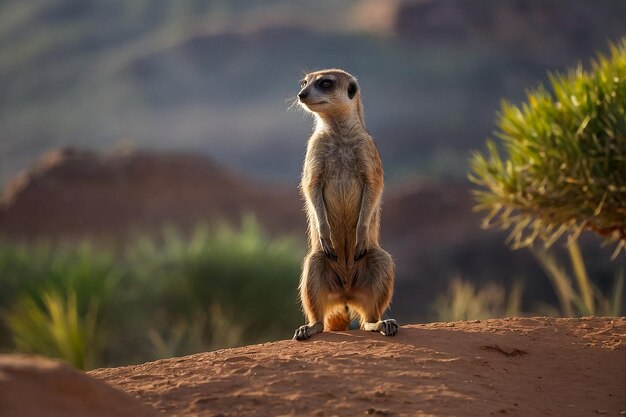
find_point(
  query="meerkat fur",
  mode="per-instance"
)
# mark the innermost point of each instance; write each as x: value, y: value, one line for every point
x: 345, y: 273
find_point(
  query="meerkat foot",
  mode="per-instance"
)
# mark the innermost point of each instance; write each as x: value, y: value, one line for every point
x: 306, y: 331
x: 387, y: 327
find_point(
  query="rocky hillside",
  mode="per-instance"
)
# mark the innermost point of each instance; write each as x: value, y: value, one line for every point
x: 519, y: 367
x: 70, y: 194
x: 213, y: 77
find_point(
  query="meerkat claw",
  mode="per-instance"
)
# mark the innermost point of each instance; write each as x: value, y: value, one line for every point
x: 389, y: 327
x: 302, y: 333
x: 331, y: 255
x: 360, y: 254
x: 329, y: 251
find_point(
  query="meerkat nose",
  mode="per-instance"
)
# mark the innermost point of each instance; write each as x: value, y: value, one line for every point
x: 302, y: 95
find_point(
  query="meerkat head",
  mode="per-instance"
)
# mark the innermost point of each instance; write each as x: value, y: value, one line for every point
x: 330, y: 93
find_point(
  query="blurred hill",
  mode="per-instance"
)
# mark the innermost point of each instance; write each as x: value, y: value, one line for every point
x: 429, y: 227
x: 213, y: 76
x: 71, y: 194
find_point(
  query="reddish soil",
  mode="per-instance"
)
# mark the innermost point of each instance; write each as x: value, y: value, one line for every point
x: 518, y: 367
x: 34, y: 386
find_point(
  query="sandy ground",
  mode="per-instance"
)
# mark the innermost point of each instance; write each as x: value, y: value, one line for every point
x: 517, y: 367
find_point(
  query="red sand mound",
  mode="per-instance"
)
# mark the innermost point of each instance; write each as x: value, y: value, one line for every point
x: 34, y: 386
x: 517, y: 367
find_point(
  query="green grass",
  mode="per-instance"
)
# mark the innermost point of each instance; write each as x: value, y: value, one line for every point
x: 221, y: 275
x: 577, y: 294
x: 158, y: 297
x: 466, y: 301
x: 55, y: 328
x: 55, y: 300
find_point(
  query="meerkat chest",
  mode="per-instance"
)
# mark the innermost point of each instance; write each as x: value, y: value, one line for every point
x: 342, y: 161
x: 343, y: 184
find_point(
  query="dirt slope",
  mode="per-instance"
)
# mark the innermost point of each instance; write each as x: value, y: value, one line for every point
x: 35, y: 386
x: 517, y: 367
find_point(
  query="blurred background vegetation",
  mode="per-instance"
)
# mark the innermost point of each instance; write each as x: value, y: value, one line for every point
x: 170, y: 223
x: 218, y: 287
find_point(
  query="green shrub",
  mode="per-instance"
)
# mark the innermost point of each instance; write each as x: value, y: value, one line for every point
x: 564, y: 164
x: 216, y: 287
x: 55, y: 328
x: 240, y: 283
x: 44, y: 270
x: 87, y: 271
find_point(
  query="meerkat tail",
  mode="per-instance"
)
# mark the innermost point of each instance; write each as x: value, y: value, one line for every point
x: 338, y: 321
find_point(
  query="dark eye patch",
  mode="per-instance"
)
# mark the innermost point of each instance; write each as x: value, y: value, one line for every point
x: 303, y: 83
x: 325, y: 84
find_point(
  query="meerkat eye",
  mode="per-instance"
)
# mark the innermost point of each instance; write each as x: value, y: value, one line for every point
x: 325, y: 84
x: 352, y: 88
x: 302, y: 83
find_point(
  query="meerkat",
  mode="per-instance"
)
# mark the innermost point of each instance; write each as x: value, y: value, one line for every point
x: 345, y: 273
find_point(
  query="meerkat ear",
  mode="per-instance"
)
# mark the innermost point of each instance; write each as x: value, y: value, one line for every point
x: 352, y: 89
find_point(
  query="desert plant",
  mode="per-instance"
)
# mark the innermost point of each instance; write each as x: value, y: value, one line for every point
x: 564, y: 168
x: 465, y: 301
x: 81, y: 268
x: 55, y: 328
x: 34, y: 272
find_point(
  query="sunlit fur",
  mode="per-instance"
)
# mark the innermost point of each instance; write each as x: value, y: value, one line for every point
x: 345, y: 272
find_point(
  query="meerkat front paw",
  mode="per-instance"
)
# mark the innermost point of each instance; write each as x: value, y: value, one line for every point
x: 329, y: 251
x: 360, y: 251
x: 389, y: 327
x: 361, y: 242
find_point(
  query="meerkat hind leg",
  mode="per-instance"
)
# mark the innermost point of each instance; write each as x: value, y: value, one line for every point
x: 375, y: 280
x: 313, y: 292
x: 306, y: 331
